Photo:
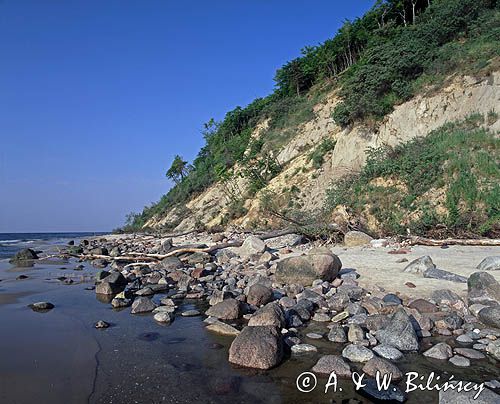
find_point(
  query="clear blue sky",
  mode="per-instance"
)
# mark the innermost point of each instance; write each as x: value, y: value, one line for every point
x: 97, y: 96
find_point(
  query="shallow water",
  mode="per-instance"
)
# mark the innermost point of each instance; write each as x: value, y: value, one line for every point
x: 59, y: 357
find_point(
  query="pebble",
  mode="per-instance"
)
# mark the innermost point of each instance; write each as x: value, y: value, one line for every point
x: 41, y: 306
x: 303, y: 348
x: 314, y: 335
x: 101, y: 324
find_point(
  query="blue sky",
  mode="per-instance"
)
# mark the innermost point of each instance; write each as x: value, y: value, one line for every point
x: 96, y: 97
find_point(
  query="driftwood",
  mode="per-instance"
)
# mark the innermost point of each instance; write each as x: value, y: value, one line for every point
x: 415, y: 240
x: 133, y: 256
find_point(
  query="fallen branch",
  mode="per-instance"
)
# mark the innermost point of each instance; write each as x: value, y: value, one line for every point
x: 415, y: 240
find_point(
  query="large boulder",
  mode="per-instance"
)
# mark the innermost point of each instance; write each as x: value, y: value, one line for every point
x: 490, y: 316
x: 228, y: 309
x: 441, y: 351
x: 399, y: 332
x: 269, y: 315
x: 251, y: 246
x: 320, y: 263
x: 490, y: 264
x: 383, y: 367
x: 356, y: 238
x: 483, y: 288
x: 257, y: 347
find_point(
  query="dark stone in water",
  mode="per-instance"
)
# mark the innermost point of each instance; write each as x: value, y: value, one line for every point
x: 23, y: 257
x: 176, y: 340
x: 392, y: 395
x: 41, y: 306
x: 148, y: 336
x: 22, y: 277
x: 101, y: 324
x: 226, y: 385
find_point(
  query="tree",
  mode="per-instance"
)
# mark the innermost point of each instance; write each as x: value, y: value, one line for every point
x: 178, y: 170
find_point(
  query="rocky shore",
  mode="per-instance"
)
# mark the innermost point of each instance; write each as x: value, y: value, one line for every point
x: 267, y: 294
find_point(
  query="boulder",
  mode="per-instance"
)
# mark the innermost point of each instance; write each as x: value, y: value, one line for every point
x: 483, y: 288
x: 490, y: 264
x: 228, y: 309
x: 257, y: 347
x: 388, y: 352
x: 392, y: 394
x: 383, y: 366
x: 320, y: 263
x: 357, y: 353
x: 493, y: 348
x: 259, y: 294
x: 356, y: 238
x: 441, y: 351
x: 399, y: 332
x: 435, y: 273
x: 163, y: 317
x: 142, y: 305
x: 452, y: 396
x: 107, y: 288
x: 269, y: 315
x: 251, y: 246
x: 490, y: 316
x: 420, y: 265
x: 332, y: 363
x: 24, y: 256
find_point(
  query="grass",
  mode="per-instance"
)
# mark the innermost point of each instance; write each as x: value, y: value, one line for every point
x: 444, y: 184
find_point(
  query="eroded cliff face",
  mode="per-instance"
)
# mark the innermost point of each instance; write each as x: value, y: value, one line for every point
x: 458, y: 98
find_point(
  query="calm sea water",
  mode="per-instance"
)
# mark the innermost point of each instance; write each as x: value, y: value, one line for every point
x: 11, y: 243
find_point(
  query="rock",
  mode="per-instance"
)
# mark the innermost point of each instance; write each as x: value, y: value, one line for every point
x: 147, y: 291
x: 460, y: 361
x: 303, y: 348
x: 319, y: 264
x: 339, y: 301
x: 388, y: 352
x: 490, y: 316
x: 170, y: 264
x: 142, y: 305
x: 99, y: 251
x: 259, y: 294
x: 339, y: 317
x: 269, y: 315
x: 392, y: 394
x: 423, y: 306
x: 441, y: 351
x: 251, y: 246
x: 100, y: 263
x: 399, y: 333
x: 493, y: 348
x: 355, y: 333
x: 190, y: 313
x: 41, y: 306
x: 163, y: 317
x: 469, y: 353
x: 357, y: 353
x: 314, y: 335
x: 332, y: 363
x: 325, y: 263
x: 321, y: 317
x: 337, y: 334
x: 452, y: 396
x: 20, y: 277
x: 356, y: 238
x: 483, y: 288
x: 435, y: 273
x: 258, y: 347
x: 489, y: 264
x: 166, y: 245
x: 445, y: 296
x: 24, y: 255
x: 120, y: 302
x: 198, y: 258
x: 420, y: 265
x: 106, y: 288
x: 383, y: 366
x: 219, y: 327
x: 101, y: 324
x: 391, y: 298
x: 228, y: 309
x: 465, y: 339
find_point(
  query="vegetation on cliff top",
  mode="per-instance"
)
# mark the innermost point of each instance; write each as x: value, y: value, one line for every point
x: 378, y: 60
x: 444, y: 184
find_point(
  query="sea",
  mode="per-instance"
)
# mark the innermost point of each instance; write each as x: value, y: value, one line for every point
x: 11, y: 243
